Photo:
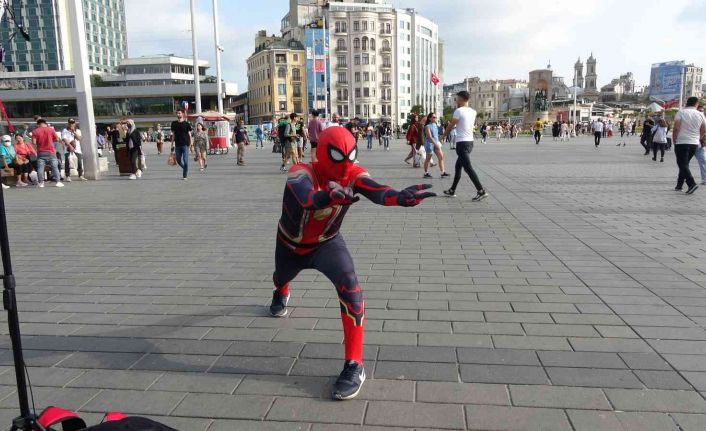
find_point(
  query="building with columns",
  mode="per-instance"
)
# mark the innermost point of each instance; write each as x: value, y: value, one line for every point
x: 489, y: 97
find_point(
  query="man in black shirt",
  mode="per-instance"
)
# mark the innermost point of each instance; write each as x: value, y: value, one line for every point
x: 182, y: 141
x: 646, y: 137
x: 240, y: 137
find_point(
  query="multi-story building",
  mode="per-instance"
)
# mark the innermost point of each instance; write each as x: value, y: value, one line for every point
x: 276, y: 78
x: 489, y: 98
x: 148, y: 89
x: 49, y: 48
x: 426, y: 60
x: 449, y: 94
x: 693, y: 76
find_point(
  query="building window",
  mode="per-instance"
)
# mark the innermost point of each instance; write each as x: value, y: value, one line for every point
x: 357, y: 77
x: 356, y: 26
x: 356, y: 43
x: 357, y: 93
x: 297, y: 106
x: 356, y: 60
x: 365, y: 42
x: 372, y: 44
x: 365, y: 25
x: 341, y: 44
x: 280, y: 58
x: 296, y: 90
x: 341, y: 60
x: 282, y: 89
x: 366, y: 92
x: 388, y: 28
x: 366, y: 59
x: 342, y: 77
x: 296, y: 75
x: 366, y: 76
x: 282, y: 106
x: 282, y: 72
x: 357, y: 109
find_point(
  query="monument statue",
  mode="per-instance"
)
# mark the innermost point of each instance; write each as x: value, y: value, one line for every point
x: 540, y: 101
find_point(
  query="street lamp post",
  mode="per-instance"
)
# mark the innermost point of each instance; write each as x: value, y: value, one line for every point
x: 84, y: 93
x: 216, y: 38
x: 197, y: 83
x: 576, y: 116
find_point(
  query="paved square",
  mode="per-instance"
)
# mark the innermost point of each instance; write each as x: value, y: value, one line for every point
x: 571, y: 299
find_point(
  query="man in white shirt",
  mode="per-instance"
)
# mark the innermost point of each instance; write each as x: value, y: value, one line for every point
x: 689, y: 129
x: 597, y: 128
x: 71, y: 138
x: 463, y: 121
x: 701, y: 155
x: 335, y: 121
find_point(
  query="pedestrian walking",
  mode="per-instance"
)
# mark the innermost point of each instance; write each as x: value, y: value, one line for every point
x: 646, y: 137
x: 689, y: 131
x: 159, y: 138
x: 564, y: 131
x: 556, y: 130
x: 411, y: 138
x: 701, y: 154
x: 483, y: 134
x: 258, y: 137
x: 133, y: 141
x: 386, y: 132
x: 432, y: 145
x: 182, y: 141
x: 499, y: 132
x: 464, y: 118
x: 240, y: 139
x: 201, y: 146
x: 538, y: 127
x: 289, y: 139
x: 369, y: 134
x: 315, y: 127
x: 659, y: 140
x: 597, y: 127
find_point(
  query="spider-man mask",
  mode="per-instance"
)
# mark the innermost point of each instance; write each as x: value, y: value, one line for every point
x: 335, y: 154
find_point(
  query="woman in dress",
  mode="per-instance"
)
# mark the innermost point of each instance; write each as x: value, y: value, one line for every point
x: 201, y: 145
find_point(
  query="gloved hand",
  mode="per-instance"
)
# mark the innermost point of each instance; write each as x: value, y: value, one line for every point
x: 414, y: 195
x: 341, y: 195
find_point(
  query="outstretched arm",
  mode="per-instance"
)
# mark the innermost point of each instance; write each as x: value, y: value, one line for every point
x: 299, y: 183
x: 387, y: 196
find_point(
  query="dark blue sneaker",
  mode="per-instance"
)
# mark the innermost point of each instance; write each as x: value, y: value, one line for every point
x: 349, y: 382
x: 278, y: 308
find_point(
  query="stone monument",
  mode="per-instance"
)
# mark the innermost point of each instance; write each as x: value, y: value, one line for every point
x: 540, y: 95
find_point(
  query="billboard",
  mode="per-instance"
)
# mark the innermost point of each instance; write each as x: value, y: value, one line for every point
x: 666, y: 80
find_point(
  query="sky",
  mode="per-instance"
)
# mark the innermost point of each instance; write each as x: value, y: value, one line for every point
x: 491, y: 39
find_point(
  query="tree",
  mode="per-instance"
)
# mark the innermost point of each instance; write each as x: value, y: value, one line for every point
x: 417, y: 109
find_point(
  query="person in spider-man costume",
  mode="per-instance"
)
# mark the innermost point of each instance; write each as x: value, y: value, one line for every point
x: 316, y: 199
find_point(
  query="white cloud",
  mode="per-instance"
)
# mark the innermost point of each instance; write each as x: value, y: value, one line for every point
x: 485, y: 38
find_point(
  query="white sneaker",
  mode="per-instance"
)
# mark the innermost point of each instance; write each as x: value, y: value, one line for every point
x: 41, y: 185
x: 59, y: 184
x: 4, y: 187
x: 67, y: 179
x: 82, y: 178
x: 139, y: 174
x: 133, y: 177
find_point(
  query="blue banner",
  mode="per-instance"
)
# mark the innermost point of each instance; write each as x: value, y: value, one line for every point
x: 666, y: 80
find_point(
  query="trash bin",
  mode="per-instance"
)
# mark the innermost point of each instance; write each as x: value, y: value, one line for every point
x: 123, y: 159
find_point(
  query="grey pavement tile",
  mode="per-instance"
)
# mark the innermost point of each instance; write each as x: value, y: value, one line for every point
x: 191, y: 347
x: 505, y: 374
x: 68, y: 398
x: 40, y: 376
x: 294, y: 386
x: 224, y: 406
x: 645, y: 361
x: 559, y: 397
x: 251, y: 365
x: 593, y: 377
x: 656, y: 400
x: 530, y: 342
x: 586, y: 420
x: 196, y: 383
x: 417, y: 354
x: 102, y: 360
x: 334, y: 351
x: 317, y: 410
x: 114, y: 379
x: 399, y: 414
x: 619, y: 345
x: 249, y: 425
x: 259, y: 348
x: 169, y: 362
x: 697, y: 379
x: 662, y: 380
x: 454, y: 340
x: 135, y: 402
x: 690, y: 422
x: 581, y: 359
x: 386, y: 390
x: 462, y: 393
x: 487, y: 328
x: 433, y: 371
x: 497, y: 356
x: 516, y: 418
x: 558, y: 330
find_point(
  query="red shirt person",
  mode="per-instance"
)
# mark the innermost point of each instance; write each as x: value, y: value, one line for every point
x: 43, y: 138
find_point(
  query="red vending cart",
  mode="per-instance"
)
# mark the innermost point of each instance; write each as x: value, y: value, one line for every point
x: 218, y: 127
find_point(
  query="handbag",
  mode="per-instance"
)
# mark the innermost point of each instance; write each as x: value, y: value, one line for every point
x: 171, y: 160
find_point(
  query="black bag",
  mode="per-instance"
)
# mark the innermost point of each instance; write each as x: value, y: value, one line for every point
x: 282, y: 132
x: 114, y: 421
x: 134, y: 423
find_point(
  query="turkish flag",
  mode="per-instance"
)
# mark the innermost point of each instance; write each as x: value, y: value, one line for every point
x: 435, y: 79
x: 671, y: 104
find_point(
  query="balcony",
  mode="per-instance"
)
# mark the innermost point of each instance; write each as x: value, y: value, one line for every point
x: 386, y: 49
x: 386, y: 66
x: 341, y: 49
x: 342, y: 66
x: 386, y: 83
x: 341, y: 82
x: 296, y: 78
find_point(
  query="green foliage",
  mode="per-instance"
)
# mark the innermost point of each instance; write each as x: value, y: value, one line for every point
x: 417, y: 109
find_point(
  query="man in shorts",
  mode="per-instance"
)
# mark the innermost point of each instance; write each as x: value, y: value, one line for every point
x: 240, y: 136
x: 314, y: 128
x: 289, y: 143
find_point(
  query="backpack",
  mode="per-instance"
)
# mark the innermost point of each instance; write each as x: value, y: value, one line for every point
x: 282, y: 132
x: 113, y: 421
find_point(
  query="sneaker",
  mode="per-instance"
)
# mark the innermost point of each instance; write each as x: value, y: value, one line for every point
x: 654, y: 159
x: 82, y: 178
x: 444, y: 175
x: 138, y: 174
x: 4, y: 187
x: 21, y: 184
x: 278, y: 308
x: 677, y: 189
x: 40, y: 185
x: 692, y: 189
x: 427, y: 175
x: 661, y: 160
x: 67, y: 179
x: 133, y: 177
x: 200, y: 169
x: 480, y: 196
x: 349, y: 382
x: 185, y: 178
x: 450, y: 193
x: 59, y: 184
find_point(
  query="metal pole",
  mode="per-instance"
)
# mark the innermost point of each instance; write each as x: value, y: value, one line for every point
x: 316, y: 96
x: 194, y: 48
x: 216, y: 39
x: 326, y: 47
x: 575, y: 114
x: 681, y: 87
x: 84, y: 94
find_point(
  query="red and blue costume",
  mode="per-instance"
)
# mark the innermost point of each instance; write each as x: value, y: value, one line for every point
x: 316, y: 199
